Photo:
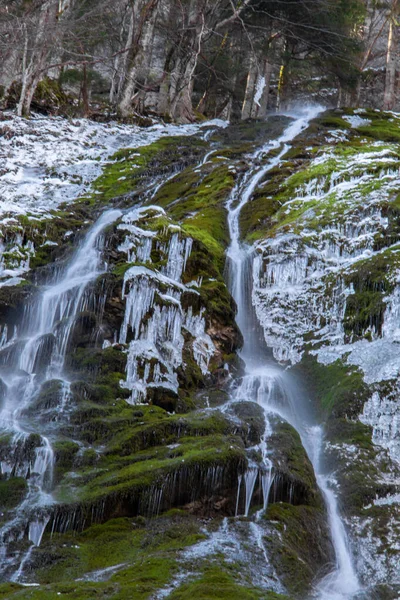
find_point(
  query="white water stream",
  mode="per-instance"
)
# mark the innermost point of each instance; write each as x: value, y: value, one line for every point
x: 39, y: 358
x: 272, y: 387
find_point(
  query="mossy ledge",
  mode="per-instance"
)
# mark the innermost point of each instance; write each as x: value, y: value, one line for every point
x: 205, y: 487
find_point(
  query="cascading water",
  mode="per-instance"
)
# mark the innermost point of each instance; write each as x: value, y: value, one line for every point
x: 272, y: 387
x: 35, y: 357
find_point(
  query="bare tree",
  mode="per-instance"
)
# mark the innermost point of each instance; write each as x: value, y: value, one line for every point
x: 391, y: 83
x: 39, y: 32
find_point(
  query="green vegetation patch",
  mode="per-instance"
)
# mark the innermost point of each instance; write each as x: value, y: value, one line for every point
x: 218, y: 584
x: 196, y: 200
x: 337, y: 389
x: 303, y: 542
x: 292, y: 462
x: 144, y: 555
x: 12, y: 492
x: 131, y: 170
x: 372, y: 280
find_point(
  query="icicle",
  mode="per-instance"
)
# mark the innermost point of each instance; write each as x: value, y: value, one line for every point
x: 250, y: 478
x: 240, y: 479
x: 266, y: 482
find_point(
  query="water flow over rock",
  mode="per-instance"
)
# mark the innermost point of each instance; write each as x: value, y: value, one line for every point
x: 272, y: 387
x: 39, y: 358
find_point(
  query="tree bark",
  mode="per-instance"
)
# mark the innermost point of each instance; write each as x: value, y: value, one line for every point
x: 20, y: 105
x: 125, y: 41
x: 143, y: 18
x: 43, y: 33
x: 389, y: 98
x: 250, y: 89
x: 182, y: 76
x: 85, y: 92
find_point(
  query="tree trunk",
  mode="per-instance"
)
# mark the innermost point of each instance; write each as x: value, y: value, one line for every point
x: 250, y: 89
x: 376, y: 19
x: 43, y: 32
x: 144, y: 15
x: 181, y: 83
x: 85, y: 92
x: 125, y: 41
x: 20, y: 105
x: 281, y: 87
x: 182, y: 76
x: 389, y: 98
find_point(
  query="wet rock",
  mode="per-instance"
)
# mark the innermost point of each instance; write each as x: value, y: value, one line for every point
x: 45, y: 346
x: 164, y: 398
x: 3, y: 393
x: 253, y: 416
x: 12, y: 302
x: 84, y: 332
x: 48, y: 397
x: 294, y: 480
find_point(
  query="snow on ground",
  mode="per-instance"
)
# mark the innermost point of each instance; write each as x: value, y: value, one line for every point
x: 48, y: 160
x: 356, y: 121
x: 45, y: 161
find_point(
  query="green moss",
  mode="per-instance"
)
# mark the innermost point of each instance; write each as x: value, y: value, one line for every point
x: 155, y: 427
x: 364, y: 311
x: 49, y: 395
x: 372, y: 279
x: 217, y: 584
x: 149, y: 467
x: 210, y: 228
x: 256, y: 216
x: 291, y: 460
x: 65, y: 455
x: 49, y: 93
x: 382, y: 129
x: 300, y: 545
x: 132, y: 169
x: 99, y: 365
x: 218, y: 301
x: 330, y: 121
x: 145, y: 554
x: 8, y: 590
x: 12, y: 492
x: 197, y: 201
x: 338, y: 389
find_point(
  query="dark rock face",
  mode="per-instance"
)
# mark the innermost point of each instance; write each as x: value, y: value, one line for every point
x: 43, y: 357
x: 253, y: 416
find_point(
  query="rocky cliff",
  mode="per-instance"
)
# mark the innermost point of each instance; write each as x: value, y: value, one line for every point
x: 127, y: 469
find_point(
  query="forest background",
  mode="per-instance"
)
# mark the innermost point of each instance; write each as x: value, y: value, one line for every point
x: 191, y: 59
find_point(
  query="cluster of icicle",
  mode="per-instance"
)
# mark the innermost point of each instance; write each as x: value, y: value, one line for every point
x: 155, y: 323
x: 298, y: 275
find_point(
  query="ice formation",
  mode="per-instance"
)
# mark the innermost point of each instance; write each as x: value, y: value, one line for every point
x: 299, y: 274
x: 155, y: 323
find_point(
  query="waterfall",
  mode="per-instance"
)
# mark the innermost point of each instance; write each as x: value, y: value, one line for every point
x: 41, y: 347
x: 272, y: 387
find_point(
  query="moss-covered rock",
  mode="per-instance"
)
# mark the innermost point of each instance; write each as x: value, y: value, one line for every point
x: 294, y: 479
x: 12, y: 492
x: 217, y: 584
x: 300, y: 547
